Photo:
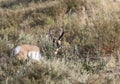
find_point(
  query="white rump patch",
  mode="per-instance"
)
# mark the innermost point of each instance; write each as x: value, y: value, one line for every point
x: 35, y: 55
x: 16, y: 50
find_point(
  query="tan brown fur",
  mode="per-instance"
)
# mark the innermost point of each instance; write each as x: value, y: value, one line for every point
x: 25, y: 48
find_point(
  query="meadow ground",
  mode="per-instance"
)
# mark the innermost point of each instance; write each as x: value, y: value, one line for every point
x: 90, y: 52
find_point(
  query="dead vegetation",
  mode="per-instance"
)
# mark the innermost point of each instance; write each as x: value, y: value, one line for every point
x: 90, y: 46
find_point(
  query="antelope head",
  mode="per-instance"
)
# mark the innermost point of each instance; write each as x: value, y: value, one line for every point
x: 57, y: 41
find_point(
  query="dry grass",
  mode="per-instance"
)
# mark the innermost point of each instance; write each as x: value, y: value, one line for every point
x: 90, y: 50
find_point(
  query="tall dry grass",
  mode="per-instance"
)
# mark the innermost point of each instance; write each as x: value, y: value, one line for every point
x: 90, y: 46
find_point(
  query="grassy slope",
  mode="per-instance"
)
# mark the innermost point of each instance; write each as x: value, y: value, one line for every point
x: 90, y: 52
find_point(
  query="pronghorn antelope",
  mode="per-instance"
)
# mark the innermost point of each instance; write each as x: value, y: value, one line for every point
x: 26, y: 51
